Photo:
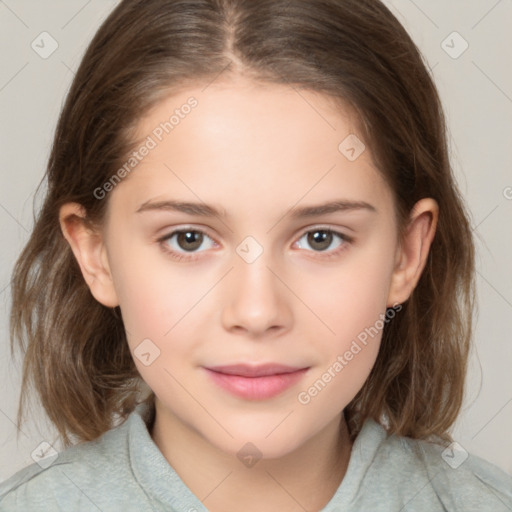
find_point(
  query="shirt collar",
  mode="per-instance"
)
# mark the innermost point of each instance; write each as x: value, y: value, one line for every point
x: 154, y: 474
x: 161, y: 483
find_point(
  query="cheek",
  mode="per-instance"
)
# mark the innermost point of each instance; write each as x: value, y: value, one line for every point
x: 154, y: 292
x: 162, y: 305
x: 335, y: 385
x: 350, y: 298
x: 354, y: 309
x: 158, y: 314
x: 351, y: 301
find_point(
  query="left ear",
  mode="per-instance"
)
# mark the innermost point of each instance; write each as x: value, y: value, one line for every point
x: 413, y: 250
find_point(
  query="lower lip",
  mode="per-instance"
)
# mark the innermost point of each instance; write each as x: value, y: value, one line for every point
x: 256, y: 388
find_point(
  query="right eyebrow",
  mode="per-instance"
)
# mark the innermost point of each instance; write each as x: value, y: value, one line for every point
x: 199, y: 209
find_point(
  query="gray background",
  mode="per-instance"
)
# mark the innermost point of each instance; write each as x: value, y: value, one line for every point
x: 476, y: 89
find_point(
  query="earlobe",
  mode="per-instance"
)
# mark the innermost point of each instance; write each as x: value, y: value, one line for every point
x: 413, y: 250
x: 89, y: 250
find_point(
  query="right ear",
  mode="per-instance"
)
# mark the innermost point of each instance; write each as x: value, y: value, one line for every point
x: 90, y: 252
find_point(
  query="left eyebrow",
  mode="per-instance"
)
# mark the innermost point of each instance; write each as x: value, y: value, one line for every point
x: 331, y: 207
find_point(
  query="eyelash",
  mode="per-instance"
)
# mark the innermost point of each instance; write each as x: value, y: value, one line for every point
x: 324, y: 254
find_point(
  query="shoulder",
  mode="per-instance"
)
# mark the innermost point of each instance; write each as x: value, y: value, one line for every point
x: 463, y: 481
x: 86, y: 476
x: 445, y: 473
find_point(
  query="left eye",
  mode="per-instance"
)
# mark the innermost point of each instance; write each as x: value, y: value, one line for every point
x: 321, y: 239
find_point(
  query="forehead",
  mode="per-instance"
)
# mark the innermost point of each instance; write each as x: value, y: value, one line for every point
x: 279, y: 116
x: 245, y: 140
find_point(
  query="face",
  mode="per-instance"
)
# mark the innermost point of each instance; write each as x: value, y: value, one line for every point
x: 262, y: 321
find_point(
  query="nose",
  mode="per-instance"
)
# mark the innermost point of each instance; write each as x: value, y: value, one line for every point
x: 256, y: 300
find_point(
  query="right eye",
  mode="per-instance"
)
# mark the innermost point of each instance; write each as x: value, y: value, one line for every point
x: 182, y: 241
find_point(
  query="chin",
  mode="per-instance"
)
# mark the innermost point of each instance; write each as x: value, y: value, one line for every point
x: 258, y: 446
x: 274, y: 437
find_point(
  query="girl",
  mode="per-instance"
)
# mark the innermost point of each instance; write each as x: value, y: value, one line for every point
x: 250, y: 285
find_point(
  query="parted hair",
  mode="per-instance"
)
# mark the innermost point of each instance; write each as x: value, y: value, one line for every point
x: 76, y: 358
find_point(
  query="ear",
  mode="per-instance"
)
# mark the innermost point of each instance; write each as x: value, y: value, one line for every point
x: 413, y: 250
x: 90, y: 253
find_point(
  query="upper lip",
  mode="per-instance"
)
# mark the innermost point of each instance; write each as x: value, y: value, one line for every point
x: 262, y: 370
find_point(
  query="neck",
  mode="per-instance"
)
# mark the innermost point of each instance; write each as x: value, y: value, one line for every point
x: 304, y: 479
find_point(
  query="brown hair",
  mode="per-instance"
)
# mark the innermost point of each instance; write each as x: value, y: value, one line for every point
x: 75, y: 349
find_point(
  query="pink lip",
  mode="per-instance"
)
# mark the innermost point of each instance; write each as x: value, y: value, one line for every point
x: 255, y: 382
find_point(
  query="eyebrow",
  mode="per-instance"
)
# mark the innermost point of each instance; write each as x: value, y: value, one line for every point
x: 205, y: 210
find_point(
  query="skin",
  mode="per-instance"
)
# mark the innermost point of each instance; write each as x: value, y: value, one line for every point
x: 258, y: 152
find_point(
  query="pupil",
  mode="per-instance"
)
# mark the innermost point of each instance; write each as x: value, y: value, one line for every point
x: 189, y: 240
x: 324, y: 239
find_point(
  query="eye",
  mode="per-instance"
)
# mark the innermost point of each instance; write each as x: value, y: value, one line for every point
x: 183, y: 241
x: 184, y: 244
x: 320, y: 239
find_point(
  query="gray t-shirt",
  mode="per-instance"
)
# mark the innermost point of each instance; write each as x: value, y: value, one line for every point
x: 124, y: 470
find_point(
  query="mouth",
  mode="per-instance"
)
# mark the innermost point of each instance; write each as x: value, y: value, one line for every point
x: 255, y: 382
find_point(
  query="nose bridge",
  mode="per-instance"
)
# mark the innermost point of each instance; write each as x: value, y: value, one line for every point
x: 252, y: 273
x: 256, y: 299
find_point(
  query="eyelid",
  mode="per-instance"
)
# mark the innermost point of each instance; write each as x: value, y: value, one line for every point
x: 323, y: 227
x: 181, y: 228
x: 204, y: 230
